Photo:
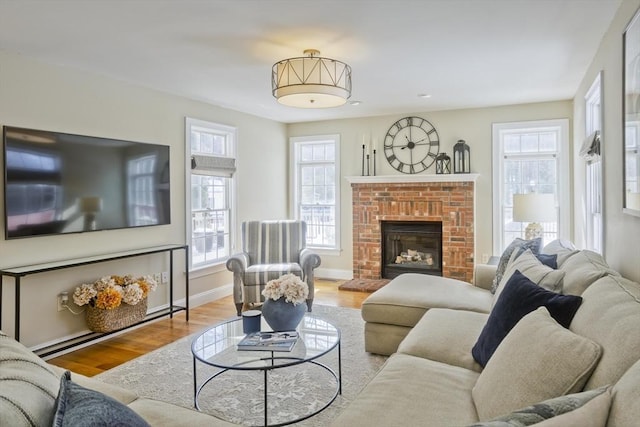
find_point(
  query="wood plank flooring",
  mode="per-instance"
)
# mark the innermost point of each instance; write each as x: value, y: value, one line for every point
x: 107, y: 354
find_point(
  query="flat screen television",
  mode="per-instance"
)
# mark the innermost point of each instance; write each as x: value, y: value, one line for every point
x: 56, y: 183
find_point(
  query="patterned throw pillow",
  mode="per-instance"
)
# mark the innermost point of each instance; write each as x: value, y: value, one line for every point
x: 517, y: 244
x: 595, y: 403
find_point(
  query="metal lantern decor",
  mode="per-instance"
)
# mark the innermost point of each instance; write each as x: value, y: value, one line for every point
x: 443, y: 164
x: 461, y: 157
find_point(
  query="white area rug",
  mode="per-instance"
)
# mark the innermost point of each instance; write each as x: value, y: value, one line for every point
x: 167, y: 374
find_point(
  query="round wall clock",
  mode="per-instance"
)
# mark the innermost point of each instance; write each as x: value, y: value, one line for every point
x: 411, y: 145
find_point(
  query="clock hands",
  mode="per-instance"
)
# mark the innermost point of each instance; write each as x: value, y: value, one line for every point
x: 411, y: 144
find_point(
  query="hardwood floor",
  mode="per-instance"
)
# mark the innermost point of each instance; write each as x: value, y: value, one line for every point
x: 107, y: 354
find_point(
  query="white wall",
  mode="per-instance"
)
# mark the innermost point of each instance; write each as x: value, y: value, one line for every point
x: 622, y: 231
x: 472, y: 125
x: 41, y: 96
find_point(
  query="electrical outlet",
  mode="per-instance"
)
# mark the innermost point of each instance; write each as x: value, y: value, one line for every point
x: 165, y: 277
x: 157, y: 277
x: 63, y: 299
x: 485, y: 258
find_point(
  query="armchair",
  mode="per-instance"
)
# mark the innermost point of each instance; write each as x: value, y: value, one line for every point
x: 269, y: 250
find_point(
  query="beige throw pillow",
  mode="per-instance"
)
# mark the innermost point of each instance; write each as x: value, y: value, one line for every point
x: 534, y: 270
x: 537, y: 360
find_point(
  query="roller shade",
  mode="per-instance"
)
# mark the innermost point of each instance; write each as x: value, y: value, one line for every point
x: 212, y: 165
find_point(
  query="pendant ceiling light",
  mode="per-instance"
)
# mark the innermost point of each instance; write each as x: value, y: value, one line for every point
x: 311, y: 81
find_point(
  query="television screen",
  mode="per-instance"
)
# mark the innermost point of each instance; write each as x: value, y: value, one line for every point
x: 62, y: 183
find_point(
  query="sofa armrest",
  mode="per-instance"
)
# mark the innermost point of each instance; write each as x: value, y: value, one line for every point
x: 483, y: 275
x: 238, y: 263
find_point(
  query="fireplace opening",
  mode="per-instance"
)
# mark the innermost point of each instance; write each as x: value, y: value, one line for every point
x: 411, y: 247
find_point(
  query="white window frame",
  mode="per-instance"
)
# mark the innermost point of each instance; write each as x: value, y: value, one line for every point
x: 231, y: 134
x: 563, y: 174
x: 295, y: 143
x: 593, y: 185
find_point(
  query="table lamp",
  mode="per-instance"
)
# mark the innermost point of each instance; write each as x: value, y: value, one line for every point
x: 534, y: 208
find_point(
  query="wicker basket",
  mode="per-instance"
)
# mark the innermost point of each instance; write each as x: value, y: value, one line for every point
x: 101, y: 320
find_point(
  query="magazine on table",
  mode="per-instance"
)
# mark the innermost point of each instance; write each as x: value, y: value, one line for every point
x: 269, y: 341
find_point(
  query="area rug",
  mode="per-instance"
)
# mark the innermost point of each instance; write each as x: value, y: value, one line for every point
x: 166, y: 374
x: 363, y: 285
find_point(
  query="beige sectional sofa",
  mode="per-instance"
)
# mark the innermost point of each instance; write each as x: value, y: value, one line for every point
x: 429, y: 326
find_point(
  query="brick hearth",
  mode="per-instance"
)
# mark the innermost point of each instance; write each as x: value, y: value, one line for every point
x: 427, y: 198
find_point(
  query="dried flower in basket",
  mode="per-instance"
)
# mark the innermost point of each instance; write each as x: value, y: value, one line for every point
x: 110, y: 291
x: 289, y: 286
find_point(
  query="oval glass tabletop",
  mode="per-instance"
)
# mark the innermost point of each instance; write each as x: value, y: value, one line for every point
x: 217, y: 346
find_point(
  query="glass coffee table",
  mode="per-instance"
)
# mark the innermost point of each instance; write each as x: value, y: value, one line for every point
x: 217, y: 347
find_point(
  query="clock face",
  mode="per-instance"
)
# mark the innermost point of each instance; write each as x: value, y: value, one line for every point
x: 411, y: 145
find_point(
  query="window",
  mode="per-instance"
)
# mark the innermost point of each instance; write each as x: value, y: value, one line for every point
x: 316, y: 188
x: 529, y: 157
x: 590, y: 151
x: 210, y: 193
x: 141, y: 190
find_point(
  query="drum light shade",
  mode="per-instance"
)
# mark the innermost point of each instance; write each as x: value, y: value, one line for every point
x: 311, y: 81
x: 534, y: 208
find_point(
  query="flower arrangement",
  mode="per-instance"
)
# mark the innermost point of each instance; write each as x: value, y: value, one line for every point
x: 110, y: 291
x: 289, y: 286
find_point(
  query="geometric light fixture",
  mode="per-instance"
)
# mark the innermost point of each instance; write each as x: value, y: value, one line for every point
x: 311, y: 81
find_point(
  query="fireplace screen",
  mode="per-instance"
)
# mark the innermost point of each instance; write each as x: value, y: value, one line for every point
x: 411, y: 247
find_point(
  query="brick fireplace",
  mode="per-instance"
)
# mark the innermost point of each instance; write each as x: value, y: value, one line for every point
x: 446, y: 198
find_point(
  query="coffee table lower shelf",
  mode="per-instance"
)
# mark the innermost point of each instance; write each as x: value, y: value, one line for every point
x: 336, y: 376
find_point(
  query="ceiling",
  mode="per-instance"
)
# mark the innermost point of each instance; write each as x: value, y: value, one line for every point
x: 463, y: 53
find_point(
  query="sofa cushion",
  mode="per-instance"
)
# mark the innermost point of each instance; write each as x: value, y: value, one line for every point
x: 520, y: 297
x: 159, y: 413
x: 410, y: 390
x: 625, y: 410
x: 578, y: 409
x: 77, y: 406
x: 534, y: 270
x: 610, y: 316
x: 516, y: 245
x: 28, y: 386
x: 582, y: 269
x: 405, y: 299
x: 538, y: 360
x: 446, y: 336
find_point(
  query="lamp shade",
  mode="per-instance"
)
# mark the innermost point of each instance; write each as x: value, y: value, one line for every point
x: 90, y: 204
x: 311, y: 81
x: 534, y: 207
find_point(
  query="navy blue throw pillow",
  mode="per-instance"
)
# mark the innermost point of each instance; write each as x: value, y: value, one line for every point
x: 79, y: 407
x: 520, y: 297
x: 550, y: 261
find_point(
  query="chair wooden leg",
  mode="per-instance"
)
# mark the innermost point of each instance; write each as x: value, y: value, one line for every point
x: 239, y: 308
x: 309, y: 304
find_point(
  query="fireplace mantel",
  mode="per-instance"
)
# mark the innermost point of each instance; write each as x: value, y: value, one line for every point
x: 397, y: 179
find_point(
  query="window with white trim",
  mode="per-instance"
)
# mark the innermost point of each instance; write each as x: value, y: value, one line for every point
x: 590, y: 151
x: 141, y: 190
x: 529, y: 157
x: 316, y: 168
x: 210, y: 192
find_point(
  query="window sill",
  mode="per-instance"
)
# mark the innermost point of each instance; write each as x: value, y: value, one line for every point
x: 207, y: 270
x: 325, y: 251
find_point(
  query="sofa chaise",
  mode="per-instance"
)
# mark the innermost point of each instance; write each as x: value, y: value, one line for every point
x: 586, y: 372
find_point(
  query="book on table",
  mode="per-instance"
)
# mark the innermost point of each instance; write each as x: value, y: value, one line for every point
x: 269, y: 341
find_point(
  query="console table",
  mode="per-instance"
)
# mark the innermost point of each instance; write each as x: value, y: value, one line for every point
x: 18, y: 272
